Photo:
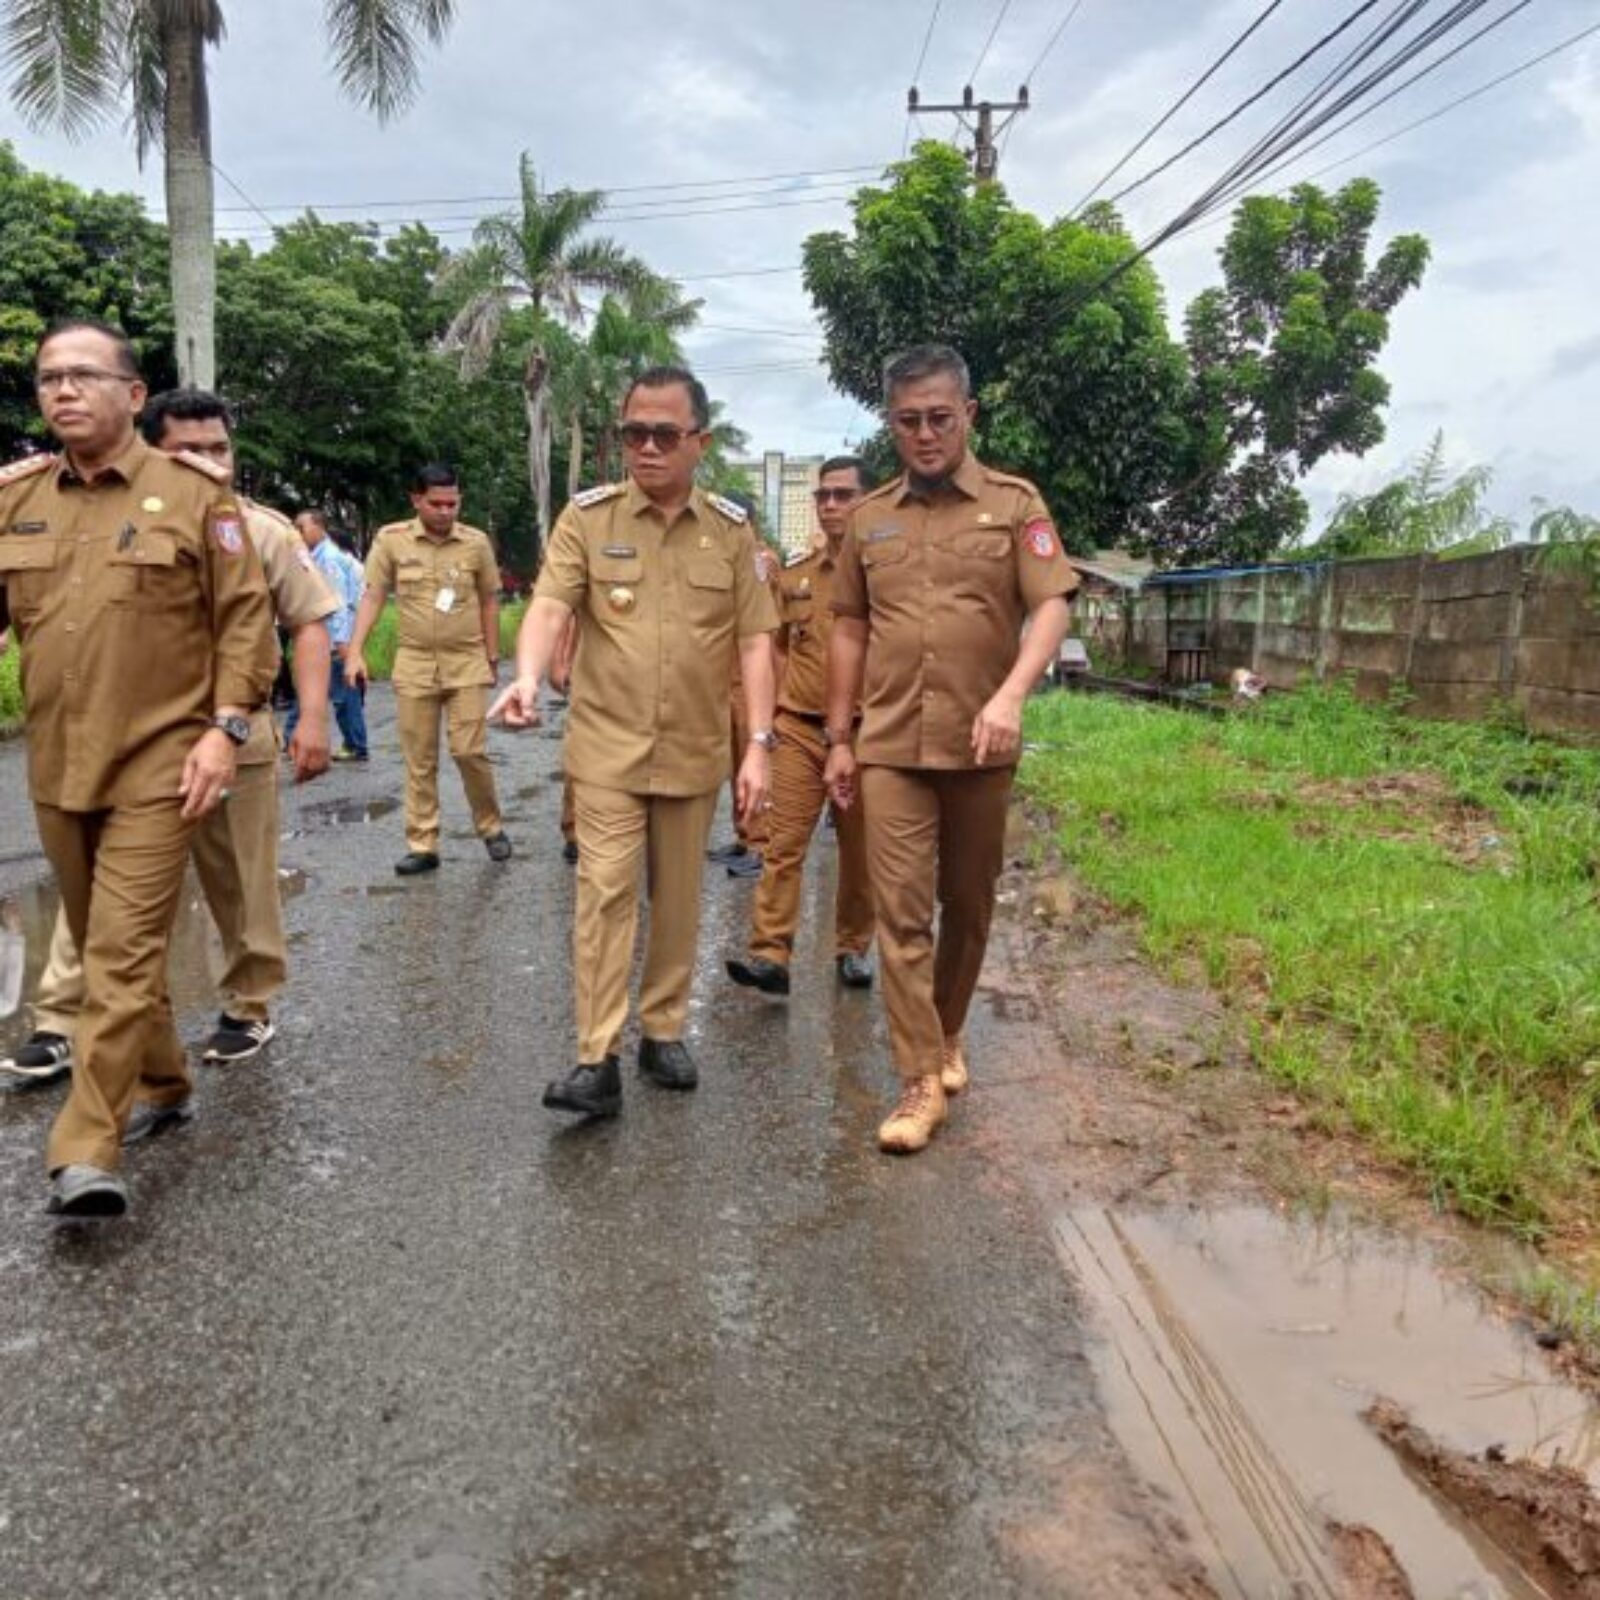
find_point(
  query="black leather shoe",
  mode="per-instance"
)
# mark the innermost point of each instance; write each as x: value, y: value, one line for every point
x: 855, y: 972
x: 727, y: 853
x: 498, y: 846
x: 770, y: 977
x: 746, y: 866
x: 667, y: 1063
x: 592, y: 1091
x: 415, y: 861
x: 569, y: 852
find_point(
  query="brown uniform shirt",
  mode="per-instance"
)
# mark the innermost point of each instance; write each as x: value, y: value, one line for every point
x: 805, y: 611
x: 438, y: 648
x: 140, y: 606
x: 944, y: 584
x: 299, y: 595
x: 661, y: 610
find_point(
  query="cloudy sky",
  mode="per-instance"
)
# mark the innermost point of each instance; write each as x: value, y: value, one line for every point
x: 1500, y: 348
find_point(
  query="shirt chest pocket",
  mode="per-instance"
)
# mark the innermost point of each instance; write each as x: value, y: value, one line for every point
x: 885, y: 566
x: 27, y: 569
x: 975, y: 563
x: 411, y: 577
x: 708, y: 581
x: 614, y: 582
x: 154, y: 573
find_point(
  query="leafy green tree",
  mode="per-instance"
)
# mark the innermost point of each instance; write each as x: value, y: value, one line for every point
x: 536, y: 257
x: 66, y: 252
x: 74, y: 61
x: 1281, y: 370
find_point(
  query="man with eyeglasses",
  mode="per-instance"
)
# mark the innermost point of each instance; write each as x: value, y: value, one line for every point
x: 664, y: 580
x: 799, y: 792
x: 147, y: 640
x: 939, y: 572
x: 446, y: 580
x: 236, y: 847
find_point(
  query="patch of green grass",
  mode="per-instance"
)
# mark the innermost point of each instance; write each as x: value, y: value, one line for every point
x: 10, y: 691
x: 383, y: 641
x: 1407, y: 912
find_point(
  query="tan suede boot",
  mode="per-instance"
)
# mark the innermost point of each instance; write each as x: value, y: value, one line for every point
x: 913, y: 1122
x: 953, y: 1070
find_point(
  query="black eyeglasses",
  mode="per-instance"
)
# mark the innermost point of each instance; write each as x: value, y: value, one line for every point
x: 836, y: 497
x: 665, y: 436
x: 911, y: 423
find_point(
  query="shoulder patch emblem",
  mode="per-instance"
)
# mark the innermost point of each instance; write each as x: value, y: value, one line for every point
x: 766, y: 564
x: 227, y: 528
x: 202, y: 465
x: 731, y: 509
x: 597, y: 495
x: 26, y: 467
x: 1040, y: 537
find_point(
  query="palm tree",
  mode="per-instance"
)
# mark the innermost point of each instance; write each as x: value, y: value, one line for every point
x: 534, y: 257
x: 73, y: 61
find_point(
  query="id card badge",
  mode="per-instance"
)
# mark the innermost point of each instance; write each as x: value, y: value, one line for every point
x: 446, y: 601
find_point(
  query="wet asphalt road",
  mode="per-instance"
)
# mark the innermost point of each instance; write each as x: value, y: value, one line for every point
x: 381, y: 1326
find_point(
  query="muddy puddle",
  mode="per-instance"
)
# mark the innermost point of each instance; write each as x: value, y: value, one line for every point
x: 336, y: 814
x: 1240, y: 1351
x: 27, y: 920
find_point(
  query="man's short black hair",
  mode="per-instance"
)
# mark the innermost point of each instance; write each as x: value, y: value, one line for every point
x: 864, y: 473
x: 127, y: 356
x: 182, y: 405
x: 666, y: 378
x: 435, y: 475
x: 317, y: 516
x: 925, y: 361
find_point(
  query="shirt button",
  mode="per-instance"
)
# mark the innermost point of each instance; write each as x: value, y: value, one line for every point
x: 72, y: 627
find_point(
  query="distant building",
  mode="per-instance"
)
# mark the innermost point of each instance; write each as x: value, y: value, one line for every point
x: 783, y: 487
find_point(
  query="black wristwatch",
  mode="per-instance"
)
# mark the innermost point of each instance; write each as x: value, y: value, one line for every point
x: 236, y: 728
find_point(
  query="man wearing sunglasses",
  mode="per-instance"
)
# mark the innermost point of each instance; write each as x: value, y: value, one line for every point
x: 938, y: 574
x: 805, y: 592
x: 147, y: 640
x: 665, y: 583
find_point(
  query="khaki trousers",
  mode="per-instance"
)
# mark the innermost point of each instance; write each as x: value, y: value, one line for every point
x: 753, y: 834
x: 620, y: 835
x: 465, y: 713
x: 798, y: 796
x: 932, y: 835
x: 235, y: 853
x: 121, y: 873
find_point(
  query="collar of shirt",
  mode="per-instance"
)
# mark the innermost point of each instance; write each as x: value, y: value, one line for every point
x: 967, y: 479
x: 639, y: 504
x: 125, y: 466
x: 419, y: 532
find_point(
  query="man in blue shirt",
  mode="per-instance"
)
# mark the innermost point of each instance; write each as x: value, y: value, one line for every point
x: 344, y: 576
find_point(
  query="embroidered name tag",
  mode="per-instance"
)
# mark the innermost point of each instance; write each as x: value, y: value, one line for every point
x: 619, y: 550
x: 890, y: 530
x: 30, y: 527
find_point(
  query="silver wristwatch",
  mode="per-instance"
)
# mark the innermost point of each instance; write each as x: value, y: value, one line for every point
x: 236, y: 728
x: 765, y: 737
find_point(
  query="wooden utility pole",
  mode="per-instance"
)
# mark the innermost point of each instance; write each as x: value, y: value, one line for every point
x: 985, y: 157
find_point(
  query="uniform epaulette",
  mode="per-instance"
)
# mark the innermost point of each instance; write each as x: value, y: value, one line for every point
x: 597, y: 496
x: 391, y: 527
x: 883, y: 490
x: 203, y: 464
x: 277, y: 518
x: 797, y: 558
x: 1008, y: 478
x: 26, y: 467
x: 731, y: 509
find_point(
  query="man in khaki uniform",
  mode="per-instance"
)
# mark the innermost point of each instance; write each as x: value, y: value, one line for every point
x: 236, y: 847
x: 447, y: 581
x: 938, y: 573
x: 664, y: 580
x: 799, y: 793
x: 147, y: 639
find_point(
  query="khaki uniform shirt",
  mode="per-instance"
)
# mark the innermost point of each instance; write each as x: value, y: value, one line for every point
x: 439, y: 585
x: 140, y: 606
x: 661, y: 610
x: 299, y: 595
x: 805, y: 610
x: 767, y: 565
x: 944, y: 585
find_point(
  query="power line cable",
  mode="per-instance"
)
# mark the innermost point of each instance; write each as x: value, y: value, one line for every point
x: 916, y: 73
x: 1054, y: 40
x: 249, y: 205
x: 1178, y: 105
x: 988, y: 44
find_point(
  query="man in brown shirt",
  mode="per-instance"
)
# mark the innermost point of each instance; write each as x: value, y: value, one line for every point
x: 664, y: 581
x: 805, y: 592
x: 147, y: 639
x: 939, y: 571
x: 447, y: 581
x: 236, y: 847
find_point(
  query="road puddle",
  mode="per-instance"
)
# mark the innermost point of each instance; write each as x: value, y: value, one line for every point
x: 337, y: 813
x: 1241, y: 1349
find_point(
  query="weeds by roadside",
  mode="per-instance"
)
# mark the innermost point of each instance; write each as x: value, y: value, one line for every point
x: 10, y: 692
x: 1407, y: 913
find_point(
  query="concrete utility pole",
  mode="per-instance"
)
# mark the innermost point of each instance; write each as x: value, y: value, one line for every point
x: 985, y: 158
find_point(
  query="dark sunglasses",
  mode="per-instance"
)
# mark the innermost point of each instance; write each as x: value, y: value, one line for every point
x: 665, y: 436
x: 837, y: 497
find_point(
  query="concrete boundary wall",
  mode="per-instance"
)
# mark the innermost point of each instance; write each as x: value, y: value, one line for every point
x: 1465, y: 635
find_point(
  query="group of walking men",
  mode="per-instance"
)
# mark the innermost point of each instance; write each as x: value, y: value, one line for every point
x: 144, y: 594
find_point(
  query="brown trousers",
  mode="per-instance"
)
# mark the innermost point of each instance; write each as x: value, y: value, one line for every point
x: 120, y: 873
x: 236, y: 858
x: 798, y: 796
x: 620, y: 835
x: 465, y: 713
x: 932, y: 835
